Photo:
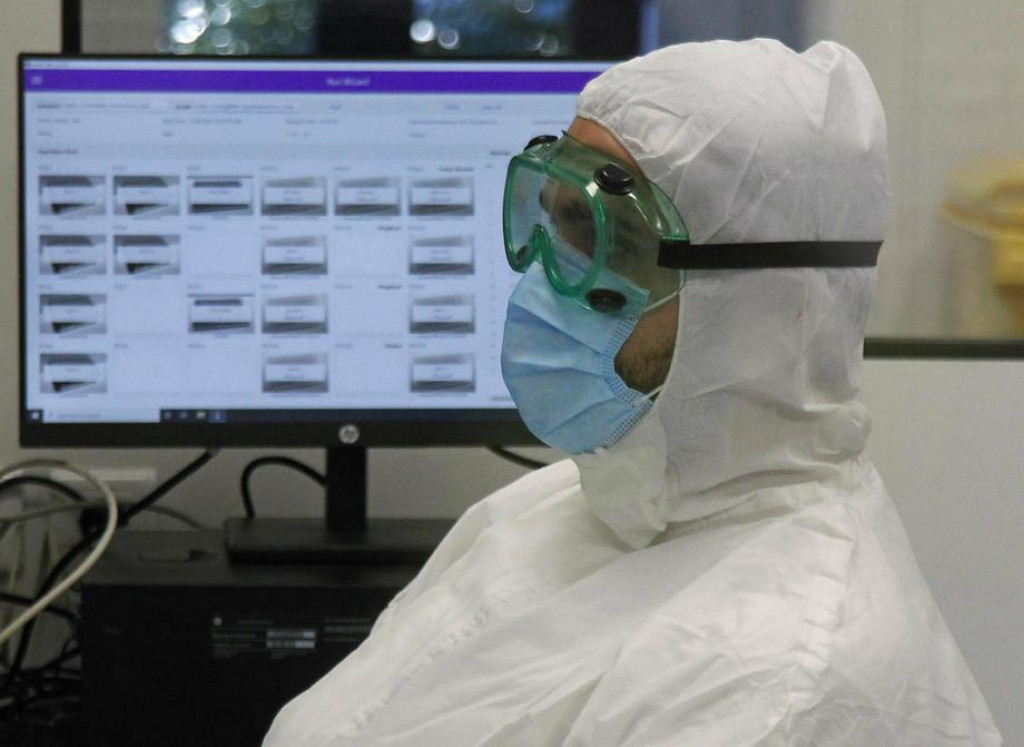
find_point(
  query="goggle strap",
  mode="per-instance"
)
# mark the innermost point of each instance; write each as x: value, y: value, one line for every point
x: 682, y: 255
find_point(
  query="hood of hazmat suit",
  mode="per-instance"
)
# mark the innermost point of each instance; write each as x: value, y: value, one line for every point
x: 732, y: 572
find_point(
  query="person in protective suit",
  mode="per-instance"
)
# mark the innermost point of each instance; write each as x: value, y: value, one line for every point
x: 719, y: 562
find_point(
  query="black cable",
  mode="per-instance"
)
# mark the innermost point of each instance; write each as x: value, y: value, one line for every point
x: 516, y: 458
x: 281, y: 461
x: 166, y: 486
x: 86, y: 542
x: 30, y: 677
x: 66, y: 648
x: 56, y: 662
x: 93, y: 516
x: 27, y: 602
x: 26, y: 632
x: 27, y: 678
x: 56, y: 487
x: 61, y: 612
x: 177, y: 516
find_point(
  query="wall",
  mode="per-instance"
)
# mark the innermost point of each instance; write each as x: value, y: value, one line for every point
x: 701, y: 20
x: 949, y: 75
x: 947, y: 435
x: 23, y: 27
x: 947, y: 440
x: 137, y: 30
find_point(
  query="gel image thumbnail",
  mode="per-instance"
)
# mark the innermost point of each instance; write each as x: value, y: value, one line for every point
x: 444, y: 255
x: 371, y: 197
x: 73, y: 255
x: 73, y: 373
x: 302, y: 196
x: 146, y: 195
x: 72, y: 196
x: 220, y: 195
x: 295, y: 374
x: 147, y: 255
x: 446, y: 196
x: 443, y: 374
x: 72, y: 315
x: 230, y: 314
x: 295, y: 255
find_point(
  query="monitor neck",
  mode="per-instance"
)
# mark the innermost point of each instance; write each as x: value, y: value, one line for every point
x: 345, y: 535
x: 346, y: 488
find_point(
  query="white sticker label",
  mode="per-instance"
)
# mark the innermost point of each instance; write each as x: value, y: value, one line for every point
x: 367, y: 196
x: 303, y: 313
x: 426, y: 372
x: 442, y: 313
x: 442, y: 196
x: 442, y: 255
x: 282, y: 373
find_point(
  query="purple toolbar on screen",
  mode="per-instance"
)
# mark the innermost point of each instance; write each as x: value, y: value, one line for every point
x: 308, y: 81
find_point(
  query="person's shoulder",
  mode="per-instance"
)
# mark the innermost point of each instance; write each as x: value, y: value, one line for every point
x: 800, y: 627
x: 503, y: 505
x: 524, y: 493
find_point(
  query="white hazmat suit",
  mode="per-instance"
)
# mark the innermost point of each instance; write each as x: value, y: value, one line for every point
x: 732, y: 572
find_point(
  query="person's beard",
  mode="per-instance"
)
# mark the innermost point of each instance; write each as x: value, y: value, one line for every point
x: 644, y: 364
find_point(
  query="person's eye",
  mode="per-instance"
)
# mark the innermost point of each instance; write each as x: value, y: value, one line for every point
x: 572, y: 214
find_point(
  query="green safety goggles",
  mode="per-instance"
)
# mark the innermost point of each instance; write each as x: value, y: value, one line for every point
x: 583, y: 214
x: 592, y: 222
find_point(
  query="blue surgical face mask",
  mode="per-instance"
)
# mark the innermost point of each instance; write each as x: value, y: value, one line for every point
x: 558, y: 362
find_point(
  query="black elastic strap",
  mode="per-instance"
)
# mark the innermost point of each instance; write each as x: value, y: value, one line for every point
x: 682, y: 255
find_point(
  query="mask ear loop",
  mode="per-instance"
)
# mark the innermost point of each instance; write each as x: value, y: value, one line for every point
x: 652, y: 395
x: 662, y: 301
x: 658, y: 304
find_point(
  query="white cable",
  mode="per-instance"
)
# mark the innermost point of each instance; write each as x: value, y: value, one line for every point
x: 85, y: 565
x: 13, y: 521
x: 38, y: 513
x: 6, y: 521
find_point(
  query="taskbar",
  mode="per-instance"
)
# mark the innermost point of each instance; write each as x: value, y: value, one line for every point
x: 218, y: 417
x: 225, y: 427
x: 208, y: 416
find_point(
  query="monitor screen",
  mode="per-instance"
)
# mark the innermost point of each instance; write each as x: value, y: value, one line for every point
x: 271, y: 252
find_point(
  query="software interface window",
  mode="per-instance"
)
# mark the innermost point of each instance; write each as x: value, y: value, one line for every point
x: 284, y: 236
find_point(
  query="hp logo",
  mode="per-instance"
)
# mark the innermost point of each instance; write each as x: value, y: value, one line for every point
x: 348, y: 434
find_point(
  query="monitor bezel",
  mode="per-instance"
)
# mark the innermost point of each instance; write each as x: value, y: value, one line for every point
x: 393, y: 428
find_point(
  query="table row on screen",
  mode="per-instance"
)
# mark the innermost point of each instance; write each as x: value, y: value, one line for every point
x: 395, y: 311
x: 349, y: 373
x: 82, y: 195
x: 72, y: 256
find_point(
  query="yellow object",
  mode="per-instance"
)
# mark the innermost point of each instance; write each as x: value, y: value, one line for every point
x: 1008, y: 270
x: 989, y: 194
x: 987, y: 200
x: 1008, y: 259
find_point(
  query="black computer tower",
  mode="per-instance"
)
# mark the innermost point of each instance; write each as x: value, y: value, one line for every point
x: 180, y: 647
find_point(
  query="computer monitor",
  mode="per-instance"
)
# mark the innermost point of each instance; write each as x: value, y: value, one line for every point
x: 258, y: 252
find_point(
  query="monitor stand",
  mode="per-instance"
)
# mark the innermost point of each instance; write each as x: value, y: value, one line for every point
x: 345, y: 536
